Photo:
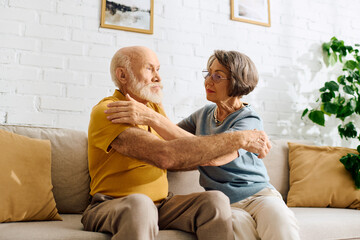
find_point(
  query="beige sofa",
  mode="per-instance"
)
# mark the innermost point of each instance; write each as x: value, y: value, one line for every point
x: 71, y: 180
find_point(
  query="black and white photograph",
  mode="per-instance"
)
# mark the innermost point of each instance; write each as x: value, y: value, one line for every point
x: 251, y: 11
x: 128, y: 15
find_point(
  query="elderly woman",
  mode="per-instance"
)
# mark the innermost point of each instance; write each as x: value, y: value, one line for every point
x: 258, y: 208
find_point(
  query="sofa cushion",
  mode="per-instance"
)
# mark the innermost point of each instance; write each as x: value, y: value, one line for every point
x: 327, y: 223
x: 25, y: 177
x: 319, y: 179
x: 277, y: 164
x: 69, y: 167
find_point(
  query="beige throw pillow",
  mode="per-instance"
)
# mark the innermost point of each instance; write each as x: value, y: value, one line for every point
x: 319, y: 179
x: 25, y: 179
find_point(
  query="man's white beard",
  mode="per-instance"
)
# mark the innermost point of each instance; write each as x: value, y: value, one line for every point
x: 143, y: 90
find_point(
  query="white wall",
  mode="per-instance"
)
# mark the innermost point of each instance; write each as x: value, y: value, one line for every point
x: 54, y: 58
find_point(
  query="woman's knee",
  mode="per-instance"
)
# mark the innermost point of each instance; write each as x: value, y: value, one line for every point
x: 275, y: 211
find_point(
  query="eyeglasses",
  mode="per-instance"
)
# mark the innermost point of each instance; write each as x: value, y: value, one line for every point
x: 215, y: 76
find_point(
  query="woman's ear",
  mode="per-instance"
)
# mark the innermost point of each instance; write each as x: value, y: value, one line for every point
x: 121, y: 75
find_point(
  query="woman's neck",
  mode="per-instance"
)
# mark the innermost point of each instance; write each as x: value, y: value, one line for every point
x: 225, y: 108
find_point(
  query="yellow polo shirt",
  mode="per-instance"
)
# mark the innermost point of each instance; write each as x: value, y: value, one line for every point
x: 112, y: 173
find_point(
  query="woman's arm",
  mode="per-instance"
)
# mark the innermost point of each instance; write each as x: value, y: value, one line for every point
x: 133, y: 112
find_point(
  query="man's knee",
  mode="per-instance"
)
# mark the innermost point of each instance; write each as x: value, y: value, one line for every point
x: 138, y: 210
x: 215, y: 197
x: 216, y: 200
x: 141, y: 205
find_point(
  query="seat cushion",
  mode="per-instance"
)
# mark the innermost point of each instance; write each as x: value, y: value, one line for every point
x: 69, y: 166
x: 315, y: 223
x: 328, y: 223
x: 68, y: 229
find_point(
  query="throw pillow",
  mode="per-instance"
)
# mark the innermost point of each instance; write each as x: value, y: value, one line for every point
x: 319, y: 179
x: 25, y: 179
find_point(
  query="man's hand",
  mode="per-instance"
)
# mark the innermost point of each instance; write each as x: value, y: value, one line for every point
x: 256, y: 141
x: 130, y: 111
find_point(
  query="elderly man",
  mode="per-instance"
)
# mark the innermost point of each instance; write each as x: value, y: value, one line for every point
x: 128, y: 164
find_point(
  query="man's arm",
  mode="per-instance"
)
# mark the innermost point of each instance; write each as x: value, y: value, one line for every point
x: 133, y: 112
x: 187, y: 152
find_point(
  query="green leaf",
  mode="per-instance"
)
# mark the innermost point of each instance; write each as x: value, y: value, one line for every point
x: 351, y: 64
x: 326, y: 48
x: 352, y: 164
x: 349, y: 48
x: 330, y: 108
x: 332, y: 59
x: 348, y: 131
x: 352, y: 103
x: 340, y: 100
x: 341, y: 79
x: 342, y: 52
x: 357, y: 57
x: 356, y: 75
x: 340, y: 58
x: 350, y: 78
x: 326, y: 53
x: 357, y: 107
x: 348, y: 89
x: 322, y: 109
x: 304, y: 113
x: 327, y: 96
x: 345, y: 111
x: 358, y: 149
x: 332, y: 86
x: 317, y: 117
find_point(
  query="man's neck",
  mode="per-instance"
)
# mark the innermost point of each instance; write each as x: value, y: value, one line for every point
x: 124, y: 92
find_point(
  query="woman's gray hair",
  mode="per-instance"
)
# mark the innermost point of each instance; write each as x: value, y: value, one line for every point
x: 119, y: 60
x: 243, y: 74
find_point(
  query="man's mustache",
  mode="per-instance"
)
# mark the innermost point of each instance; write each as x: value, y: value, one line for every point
x: 150, y: 85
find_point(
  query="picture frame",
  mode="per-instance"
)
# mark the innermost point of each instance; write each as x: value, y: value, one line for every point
x: 251, y: 11
x: 128, y: 15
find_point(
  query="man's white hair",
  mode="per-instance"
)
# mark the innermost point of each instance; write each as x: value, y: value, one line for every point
x: 119, y: 60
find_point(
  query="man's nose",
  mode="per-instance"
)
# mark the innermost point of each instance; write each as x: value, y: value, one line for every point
x: 157, y: 77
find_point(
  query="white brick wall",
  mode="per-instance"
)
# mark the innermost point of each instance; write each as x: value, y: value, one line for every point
x: 54, y: 58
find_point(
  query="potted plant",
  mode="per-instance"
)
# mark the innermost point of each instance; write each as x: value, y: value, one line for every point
x: 341, y: 98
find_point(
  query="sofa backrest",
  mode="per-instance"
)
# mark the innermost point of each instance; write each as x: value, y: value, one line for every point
x: 69, y: 166
x: 71, y: 180
x: 277, y: 164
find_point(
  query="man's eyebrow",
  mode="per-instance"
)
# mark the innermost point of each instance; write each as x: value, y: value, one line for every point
x: 152, y: 65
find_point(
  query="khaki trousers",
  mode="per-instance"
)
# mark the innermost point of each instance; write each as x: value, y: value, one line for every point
x: 136, y: 217
x: 264, y: 216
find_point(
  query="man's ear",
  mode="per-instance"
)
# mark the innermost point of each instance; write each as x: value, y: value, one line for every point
x: 121, y: 75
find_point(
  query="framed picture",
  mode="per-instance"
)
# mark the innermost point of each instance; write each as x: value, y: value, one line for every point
x: 251, y: 11
x: 128, y: 15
